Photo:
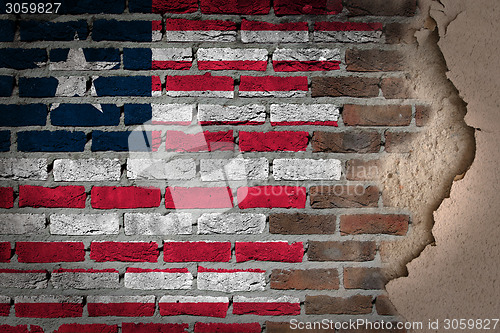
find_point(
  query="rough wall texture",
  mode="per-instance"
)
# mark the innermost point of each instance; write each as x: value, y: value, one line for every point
x: 462, y: 266
x: 240, y: 163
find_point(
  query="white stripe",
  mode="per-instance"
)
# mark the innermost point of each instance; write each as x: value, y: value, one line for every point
x: 249, y: 36
x: 283, y: 94
x: 156, y: 35
x: 231, y: 282
x: 304, y: 112
x: 155, y: 93
x: 228, y: 54
x: 84, y: 224
x: 217, y: 223
x: 282, y: 299
x: 23, y: 280
x: 4, y: 299
x: 157, y: 224
x: 121, y: 299
x: 48, y: 299
x: 85, y: 280
x: 158, y: 280
x: 23, y: 168
x: 215, y: 112
x: 304, y: 169
x: 177, y: 54
x: 18, y: 224
x: 306, y: 55
x: 193, y: 299
x: 203, y: 93
x: 348, y: 36
x: 201, y: 36
x: 172, y: 112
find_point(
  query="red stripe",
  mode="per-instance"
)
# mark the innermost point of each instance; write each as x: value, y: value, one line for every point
x: 205, y: 82
x: 220, y: 270
x: 194, y: 309
x: 347, y: 26
x: 156, y: 140
x: 240, y: 122
x: 32, y: 252
x: 227, y: 328
x: 179, y: 65
x: 121, y: 309
x: 195, y: 25
x: 168, y: 270
x: 244, y: 65
x: 5, y: 252
x: 271, y: 197
x: 110, y: 197
x: 87, y: 328
x: 205, y: 141
x: 273, y: 141
x: 154, y: 328
x: 297, y: 123
x: 48, y: 310
x: 20, y: 329
x: 22, y: 271
x: 273, y: 83
x: 81, y: 270
x: 264, y: 26
x: 156, y: 25
x: 198, y: 197
x: 4, y: 309
x: 305, y: 66
x: 124, y: 251
x: 6, y: 197
x: 196, y: 251
x: 269, y: 251
x: 155, y: 83
x: 169, y: 6
x: 57, y: 197
x: 266, y: 309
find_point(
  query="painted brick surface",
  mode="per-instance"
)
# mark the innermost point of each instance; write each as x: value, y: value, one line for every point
x: 201, y: 166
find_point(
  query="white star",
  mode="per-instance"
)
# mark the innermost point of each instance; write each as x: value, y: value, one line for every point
x: 76, y: 61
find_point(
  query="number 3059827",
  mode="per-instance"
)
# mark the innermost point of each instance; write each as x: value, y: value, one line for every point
x: 32, y: 8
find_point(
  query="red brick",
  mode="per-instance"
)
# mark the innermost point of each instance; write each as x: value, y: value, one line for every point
x: 198, y: 197
x: 384, y: 306
x: 273, y: 83
x: 196, y: 251
x: 273, y: 141
x: 346, y: 142
x: 57, y: 197
x: 374, y: 60
x: 363, y: 278
x: 31, y: 252
x: 374, y: 224
x: 323, y: 304
x: 5, y: 252
x: 345, y: 86
x: 269, y: 251
x: 318, y: 279
x: 206, y: 141
x: 86, y: 328
x: 200, y: 25
x: 400, y: 142
x: 422, y: 115
x: 344, y: 196
x: 376, y: 115
x: 153, y: 328
x: 6, y: 197
x: 341, y: 251
x: 247, y: 7
x: 174, y: 6
x: 395, y: 87
x: 124, y: 251
x: 227, y: 328
x: 271, y: 197
x: 298, y: 7
x: 381, y: 7
x: 48, y: 310
x: 265, y: 26
x: 20, y: 329
x: 5, y: 309
x: 301, y: 224
x: 362, y: 170
x: 111, y: 197
x: 205, y: 82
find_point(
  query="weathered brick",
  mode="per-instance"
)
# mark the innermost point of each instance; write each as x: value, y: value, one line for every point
x: 196, y: 251
x: 363, y: 170
x: 322, y: 304
x: 101, y: 328
x: 217, y: 223
x: 395, y: 87
x: 204, y: 85
x: 299, y: 223
x: 84, y: 115
x: 232, y: 59
x: 306, y: 60
x: 23, y: 169
x: 56, y: 197
x: 264, y: 32
x: 348, y: 32
x: 344, y: 196
x: 113, y: 30
x: 153, y: 327
x: 400, y: 142
x: 151, y: 279
x: 111, y: 197
x: 6, y: 83
x: 20, y: 224
x: 269, y: 251
x: 273, y: 86
x: 23, y: 115
x: 234, y: 169
x: 306, y: 169
x: 266, y: 306
x: 213, y: 114
x: 384, y: 306
x: 61, y: 31
x: 222, y: 327
x: 182, y: 30
x: 304, y: 114
x: 84, y: 224
x: 377, y: 115
x: 381, y: 7
x: 4, y: 306
x: 231, y: 280
x: 85, y: 279
x: 273, y: 141
x: 8, y: 28
x: 23, y: 279
x: 374, y: 60
x: 48, y: 306
x: 363, y: 278
x: 160, y: 169
x: 346, y: 142
x: 198, y: 197
x: 124, y: 251
x: 204, y: 141
x: 374, y: 224
x: 6, y: 197
x: 47, y: 141
x: 284, y: 7
x: 22, y: 58
x: 4, y: 141
x: 345, y: 86
x: 86, y: 170
x: 207, y: 306
x: 245, y: 7
x: 422, y: 115
x: 163, y: 6
x: 5, y: 252
x: 317, y: 279
x: 122, y: 306
x: 341, y: 251
x: 142, y: 86
x: 271, y: 197
x: 45, y: 252
x: 399, y: 33
x: 158, y: 224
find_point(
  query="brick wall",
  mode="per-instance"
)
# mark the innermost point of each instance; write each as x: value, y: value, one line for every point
x: 210, y: 166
